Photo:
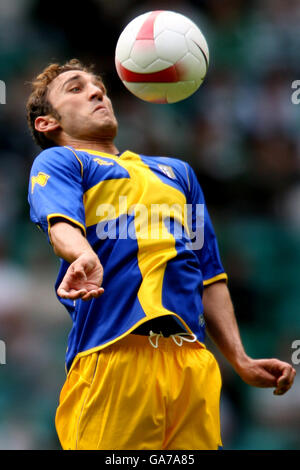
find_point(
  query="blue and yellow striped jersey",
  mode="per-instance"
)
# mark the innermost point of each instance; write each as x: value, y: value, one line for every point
x: 147, y: 220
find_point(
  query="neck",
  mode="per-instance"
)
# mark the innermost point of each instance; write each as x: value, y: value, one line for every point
x: 100, y: 146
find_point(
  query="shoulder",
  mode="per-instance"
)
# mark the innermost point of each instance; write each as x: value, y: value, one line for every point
x: 53, y: 155
x: 182, y: 168
x: 177, y: 164
x: 58, y: 157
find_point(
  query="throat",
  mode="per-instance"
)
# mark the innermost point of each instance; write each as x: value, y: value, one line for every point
x: 100, y: 146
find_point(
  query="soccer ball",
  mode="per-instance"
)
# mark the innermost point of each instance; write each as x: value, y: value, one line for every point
x: 162, y: 57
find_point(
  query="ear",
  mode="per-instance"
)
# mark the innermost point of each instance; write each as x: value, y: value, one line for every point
x: 46, y: 123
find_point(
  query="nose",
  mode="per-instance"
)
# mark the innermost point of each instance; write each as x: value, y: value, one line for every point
x: 95, y: 92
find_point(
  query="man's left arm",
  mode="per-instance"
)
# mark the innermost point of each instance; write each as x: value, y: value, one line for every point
x: 223, y: 329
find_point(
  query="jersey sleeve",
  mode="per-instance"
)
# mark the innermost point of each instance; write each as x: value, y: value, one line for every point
x: 55, y: 188
x: 205, y: 243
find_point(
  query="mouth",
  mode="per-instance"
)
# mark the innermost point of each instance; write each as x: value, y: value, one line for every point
x: 98, y: 107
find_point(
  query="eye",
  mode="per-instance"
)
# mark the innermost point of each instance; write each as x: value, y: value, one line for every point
x: 75, y: 89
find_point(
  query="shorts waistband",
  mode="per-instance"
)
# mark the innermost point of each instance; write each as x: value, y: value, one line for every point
x: 156, y: 343
x: 165, y: 325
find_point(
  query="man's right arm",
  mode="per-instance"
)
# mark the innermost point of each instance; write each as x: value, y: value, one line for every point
x: 84, y: 276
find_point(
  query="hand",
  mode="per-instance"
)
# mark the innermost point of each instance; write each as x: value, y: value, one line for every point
x: 267, y: 373
x: 83, y: 278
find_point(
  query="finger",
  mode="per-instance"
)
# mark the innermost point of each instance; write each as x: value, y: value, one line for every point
x: 79, y: 273
x: 282, y: 390
x: 93, y: 294
x: 287, y: 377
x: 285, y: 382
x: 73, y: 295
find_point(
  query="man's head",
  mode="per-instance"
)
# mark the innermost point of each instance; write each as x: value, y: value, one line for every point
x: 69, y: 104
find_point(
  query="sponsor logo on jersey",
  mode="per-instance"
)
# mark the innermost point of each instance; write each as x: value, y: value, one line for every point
x: 103, y: 162
x: 168, y: 171
x: 40, y: 179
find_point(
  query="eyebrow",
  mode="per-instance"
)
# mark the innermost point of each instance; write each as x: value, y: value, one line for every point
x: 75, y: 77
x: 79, y: 77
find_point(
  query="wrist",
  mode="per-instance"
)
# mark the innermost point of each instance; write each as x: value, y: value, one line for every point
x: 241, y: 361
x: 88, y: 255
x: 69, y: 243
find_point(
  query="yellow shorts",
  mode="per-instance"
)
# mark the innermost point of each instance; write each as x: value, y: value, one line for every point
x: 132, y: 396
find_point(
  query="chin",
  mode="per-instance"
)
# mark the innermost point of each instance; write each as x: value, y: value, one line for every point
x: 108, y: 131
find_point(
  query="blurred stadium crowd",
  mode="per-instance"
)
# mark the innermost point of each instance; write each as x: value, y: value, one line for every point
x: 240, y: 132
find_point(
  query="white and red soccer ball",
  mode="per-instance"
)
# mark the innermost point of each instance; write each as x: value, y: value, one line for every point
x: 162, y: 57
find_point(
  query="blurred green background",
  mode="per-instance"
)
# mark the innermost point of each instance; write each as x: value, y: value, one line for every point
x: 240, y: 132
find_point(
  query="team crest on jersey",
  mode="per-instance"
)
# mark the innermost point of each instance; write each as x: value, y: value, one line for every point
x: 103, y: 162
x: 40, y: 179
x: 168, y: 171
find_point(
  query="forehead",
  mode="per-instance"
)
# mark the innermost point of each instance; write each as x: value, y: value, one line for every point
x: 59, y: 81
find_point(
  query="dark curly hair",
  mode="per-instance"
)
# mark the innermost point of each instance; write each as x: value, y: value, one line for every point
x: 38, y: 104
